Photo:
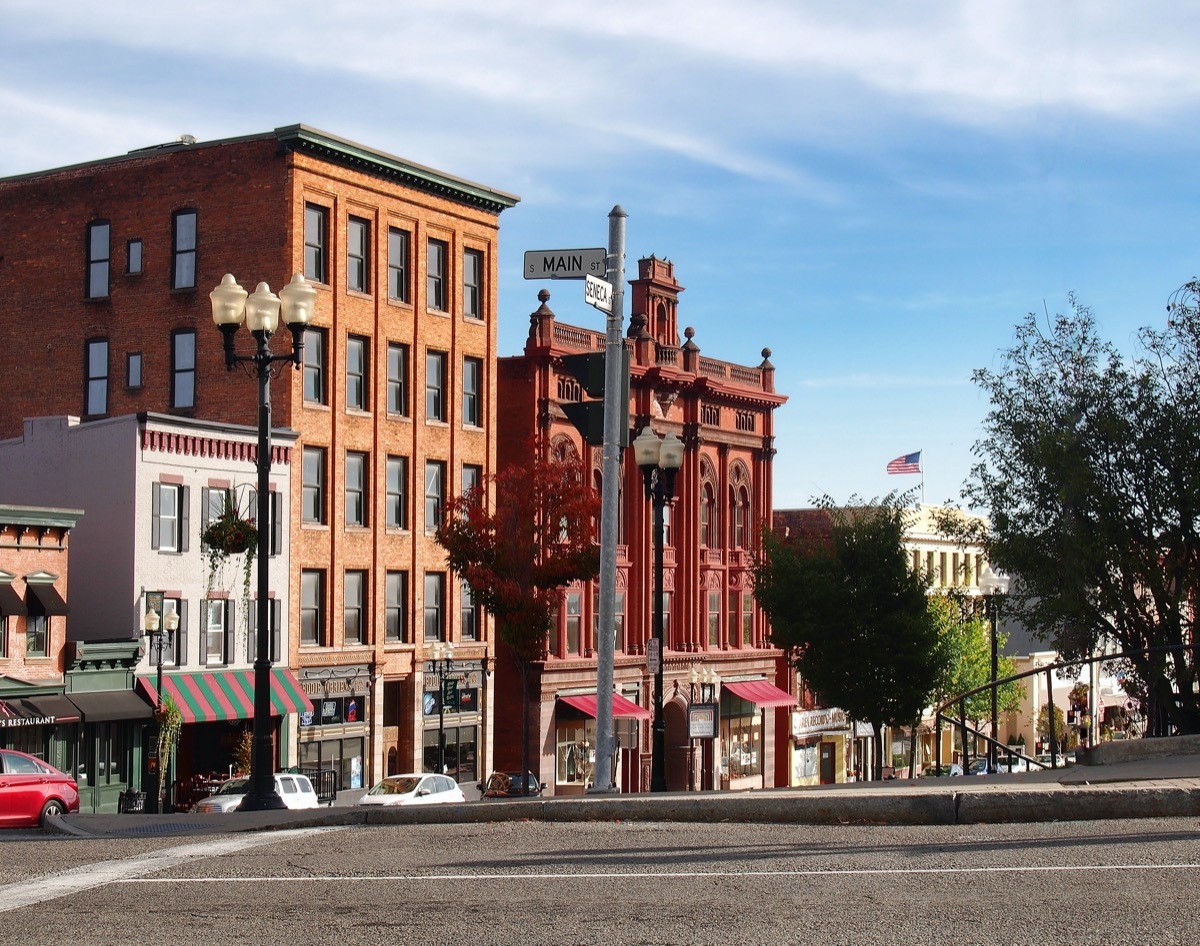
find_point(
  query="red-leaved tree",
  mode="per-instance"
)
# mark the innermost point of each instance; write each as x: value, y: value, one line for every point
x: 518, y: 557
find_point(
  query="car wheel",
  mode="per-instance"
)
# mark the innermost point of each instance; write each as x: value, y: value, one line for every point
x: 52, y: 809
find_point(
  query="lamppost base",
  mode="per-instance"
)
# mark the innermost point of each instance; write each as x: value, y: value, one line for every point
x: 267, y: 802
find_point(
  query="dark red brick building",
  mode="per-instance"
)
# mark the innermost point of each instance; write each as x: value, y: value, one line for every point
x: 724, y: 414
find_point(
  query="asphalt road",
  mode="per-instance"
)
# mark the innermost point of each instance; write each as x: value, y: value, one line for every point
x: 1120, y: 882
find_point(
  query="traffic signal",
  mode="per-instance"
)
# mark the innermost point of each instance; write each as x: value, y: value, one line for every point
x: 588, y: 416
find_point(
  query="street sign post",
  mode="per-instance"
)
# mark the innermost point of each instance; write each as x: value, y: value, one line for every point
x: 564, y: 264
x: 598, y: 293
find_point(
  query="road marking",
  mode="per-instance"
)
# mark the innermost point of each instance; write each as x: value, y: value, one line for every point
x: 643, y: 875
x: 54, y: 886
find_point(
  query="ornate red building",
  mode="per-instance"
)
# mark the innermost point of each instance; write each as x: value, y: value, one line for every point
x: 724, y: 414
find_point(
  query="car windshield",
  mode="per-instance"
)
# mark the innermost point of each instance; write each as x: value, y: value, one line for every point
x: 394, y: 786
x: 235, y: 786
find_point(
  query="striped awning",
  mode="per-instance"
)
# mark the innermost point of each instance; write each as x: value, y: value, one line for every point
x: 215, y: 695
x: 762, y: 694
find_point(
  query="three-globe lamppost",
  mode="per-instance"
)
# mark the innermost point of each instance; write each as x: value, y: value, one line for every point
x: 159, y: 630
x: 994, y: 585
x: 659, y: 460
x: 261, y: 313
x: 443, y: 665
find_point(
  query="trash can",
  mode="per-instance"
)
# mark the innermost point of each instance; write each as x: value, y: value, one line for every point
x: 131, y: 803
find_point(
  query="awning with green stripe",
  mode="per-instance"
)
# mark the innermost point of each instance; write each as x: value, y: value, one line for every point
x: 214, y: 695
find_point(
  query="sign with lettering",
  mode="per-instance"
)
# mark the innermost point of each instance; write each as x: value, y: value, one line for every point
x: 564, y: 264
x: 598, y: 293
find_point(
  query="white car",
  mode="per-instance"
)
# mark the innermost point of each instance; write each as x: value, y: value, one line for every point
x: 295, y: 790
x: 414, y: 788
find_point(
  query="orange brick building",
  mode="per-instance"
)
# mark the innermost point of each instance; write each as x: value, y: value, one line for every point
x: 724, y: 414
x: 105, y: 270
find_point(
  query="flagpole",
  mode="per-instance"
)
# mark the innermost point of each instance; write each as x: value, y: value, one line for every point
x: 922, y: 476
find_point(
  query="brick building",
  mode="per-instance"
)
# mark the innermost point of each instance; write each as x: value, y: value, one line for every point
x: 105, y: 270
x: 724, y: 414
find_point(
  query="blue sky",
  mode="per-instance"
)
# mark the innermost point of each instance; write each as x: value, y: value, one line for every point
x: 877, y: 192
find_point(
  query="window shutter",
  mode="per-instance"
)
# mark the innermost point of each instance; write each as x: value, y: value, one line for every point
x: 155, y: 499
x: 276, y: 523
x: 181, y: 636
x: 184, y: 493
x: 203, y: 633
x: 205, y: 499
x: 251, y: 632
x: 230, y: 637
x: 276, y: 629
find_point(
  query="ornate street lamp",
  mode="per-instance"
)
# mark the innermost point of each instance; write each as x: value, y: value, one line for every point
x: 231, y: 306
x: 704, y: 682
x: 443, y: 666
x: 659, y: 461
x: 994, y: 584
x: 159, y: 632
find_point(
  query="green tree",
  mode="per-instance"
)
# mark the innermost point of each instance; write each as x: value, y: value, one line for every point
x: 965, y: 640
x: 519, y: 556
x: 852, y: 614
x: 1087, y: 468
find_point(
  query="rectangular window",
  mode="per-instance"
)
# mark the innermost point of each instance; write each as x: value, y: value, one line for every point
x: 358, y: 255
x: 274, y: 633
x: 398, y: 265
x: 469, y: 614
x: 435, y: 276
x: 313, y: 496
x: 472, y: 381
x: 37, y: 630
x: 748, y: 619
x: 574, y: 605
x: 183, y: 250
x: 314, y: 365
x: 472, y: 477
x: 356, y: 488
x: 435, y: 485
x: 356, y: 372
x: 215, y: 627
x: 133, y: 370
x: 473, y: 284
x: 397, y: 607
x: 666, y: 606
x: 98, y: 254
x: 312, y: 607
x: 133, y: 257
x: 183, y: 369
x: 397, y: 379
x: 433, y: 604
x: 97, y: 378
x: 169, y: 517
x: 316, y: 243
x: 354, y: 608
x: 172, y: 643
x: 714, y: 619
x: 213, y: 502
x: 435, y: 385
x: 397, y: 493
x: 618, y: 618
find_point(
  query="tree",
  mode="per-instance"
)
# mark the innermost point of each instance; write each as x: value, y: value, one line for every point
x: 1087, y: 468
x: 965, y: 641
x: 852, y: 614
x: 518, y: 557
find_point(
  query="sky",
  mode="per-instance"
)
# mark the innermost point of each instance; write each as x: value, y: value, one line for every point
x: 876, y: 192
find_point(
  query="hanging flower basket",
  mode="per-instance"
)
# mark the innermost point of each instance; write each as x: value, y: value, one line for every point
x: 228, y: 535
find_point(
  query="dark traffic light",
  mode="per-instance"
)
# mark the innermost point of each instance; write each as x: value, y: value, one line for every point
x: 588, y: 416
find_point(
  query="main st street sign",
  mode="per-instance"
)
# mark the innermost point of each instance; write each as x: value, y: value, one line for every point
x: 564, y: 264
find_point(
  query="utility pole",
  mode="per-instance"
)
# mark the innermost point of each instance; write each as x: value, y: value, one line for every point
x: 614, y: 363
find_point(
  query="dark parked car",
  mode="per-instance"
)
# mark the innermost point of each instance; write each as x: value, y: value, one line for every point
x: 32, y: 791
x: 512, y: 785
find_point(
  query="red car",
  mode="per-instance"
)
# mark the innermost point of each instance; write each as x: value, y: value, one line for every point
x: 31, y: 791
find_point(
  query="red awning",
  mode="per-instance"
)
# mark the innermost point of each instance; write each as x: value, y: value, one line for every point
x: 762, y: 694
x: 227, y: 694
x: 621, y: 707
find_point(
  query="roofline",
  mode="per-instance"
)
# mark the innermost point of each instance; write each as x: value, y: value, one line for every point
x: 39, y: 516
x: 323, y: 145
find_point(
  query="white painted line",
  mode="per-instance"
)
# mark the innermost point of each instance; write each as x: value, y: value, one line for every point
x: 643, y: 875
x: 54, y: 886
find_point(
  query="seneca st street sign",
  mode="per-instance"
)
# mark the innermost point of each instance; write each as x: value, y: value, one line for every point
x: 598, y: 293
x: 564, y: 264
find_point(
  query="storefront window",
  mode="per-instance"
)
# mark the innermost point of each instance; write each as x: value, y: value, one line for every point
x: 741, y: 737
x: 576, y: 752
x: 461, y: 752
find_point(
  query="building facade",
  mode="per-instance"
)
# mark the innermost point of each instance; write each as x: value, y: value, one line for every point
x: 393, y: 407
x: 724, y: 415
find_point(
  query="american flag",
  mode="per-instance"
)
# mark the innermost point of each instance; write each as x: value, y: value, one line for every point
x: 909, y: 463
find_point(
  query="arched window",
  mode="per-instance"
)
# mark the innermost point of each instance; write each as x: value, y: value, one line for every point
x: 708, y: 516
x: 741, y: 508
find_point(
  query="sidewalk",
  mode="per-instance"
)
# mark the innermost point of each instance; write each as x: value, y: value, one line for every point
x: 1162, y: 786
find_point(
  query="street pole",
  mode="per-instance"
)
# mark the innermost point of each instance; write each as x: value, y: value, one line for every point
x: 610, y: 467
x: 261, y: 313
x: 992, y: 606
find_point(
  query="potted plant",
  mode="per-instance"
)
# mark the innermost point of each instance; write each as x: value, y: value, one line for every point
x: 229, y: 535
